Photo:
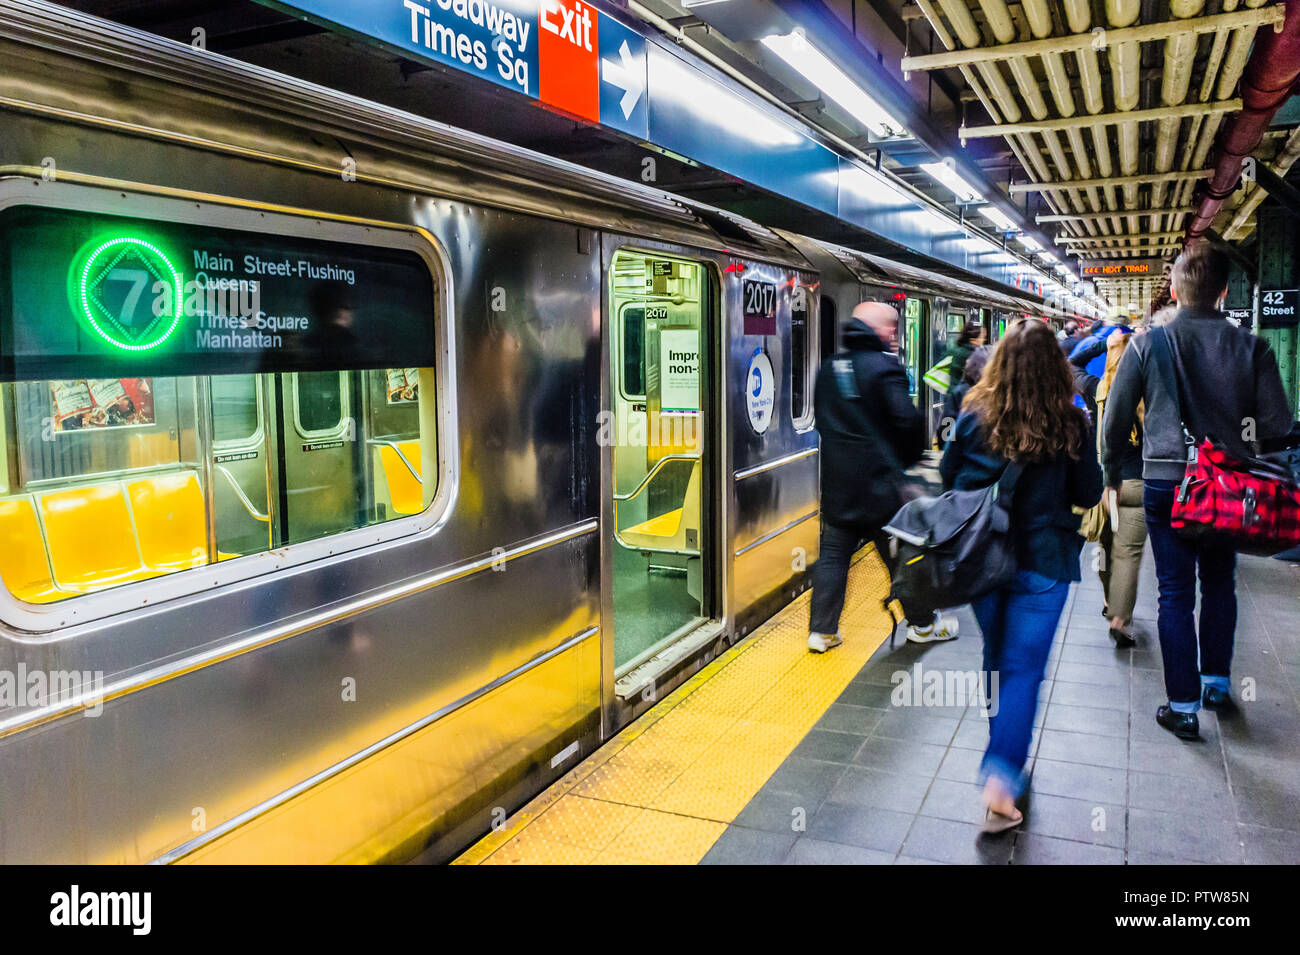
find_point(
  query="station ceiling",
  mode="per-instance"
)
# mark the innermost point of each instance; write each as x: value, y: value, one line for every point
x: 1039, y: 94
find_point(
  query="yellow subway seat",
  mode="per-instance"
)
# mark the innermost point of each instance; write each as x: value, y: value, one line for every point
x: 665, y: 525
x: 169, y: 517
x: 405, y: 491
x: 91, y: 539
x: 23, y: 565
x: 669, y: 531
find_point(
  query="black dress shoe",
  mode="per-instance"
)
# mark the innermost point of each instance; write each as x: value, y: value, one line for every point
x: 1220, y: 701
x: 1182, y: 725
x: 1122, y: 640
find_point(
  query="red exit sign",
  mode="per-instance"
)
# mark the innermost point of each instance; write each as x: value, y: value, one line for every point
x: 567, y: 45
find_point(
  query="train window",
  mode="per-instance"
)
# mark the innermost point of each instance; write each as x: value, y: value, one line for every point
x: 318, y: 401
x: 800, y: 352
x: 829, y: 333
x: 632, y: 328
x: 158, y: 423
x: 234, y: 409
x: 913, y: 360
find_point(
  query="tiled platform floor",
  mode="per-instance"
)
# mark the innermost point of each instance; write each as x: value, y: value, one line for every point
x: 875, y: 783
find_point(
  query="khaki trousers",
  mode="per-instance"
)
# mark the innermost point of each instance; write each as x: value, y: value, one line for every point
x: 1121, y: 552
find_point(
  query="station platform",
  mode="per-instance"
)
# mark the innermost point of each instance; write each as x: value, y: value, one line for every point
x: 772, y: 754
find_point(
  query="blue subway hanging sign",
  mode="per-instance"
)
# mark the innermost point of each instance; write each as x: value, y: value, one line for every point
x: 564, y: 53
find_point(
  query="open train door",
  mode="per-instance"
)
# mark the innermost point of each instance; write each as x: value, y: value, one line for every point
x: 659, y: 553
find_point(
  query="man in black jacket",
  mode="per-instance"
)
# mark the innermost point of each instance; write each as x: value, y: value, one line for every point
x: 1231, y: 390
x: 870, y: 432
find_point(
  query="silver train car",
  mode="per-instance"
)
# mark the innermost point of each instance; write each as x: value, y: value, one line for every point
x: 361, y: 474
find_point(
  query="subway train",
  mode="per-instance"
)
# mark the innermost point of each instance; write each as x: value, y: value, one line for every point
x: 362, y: 475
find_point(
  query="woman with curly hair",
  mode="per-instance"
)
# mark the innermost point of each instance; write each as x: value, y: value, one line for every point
x: 1021, y: 413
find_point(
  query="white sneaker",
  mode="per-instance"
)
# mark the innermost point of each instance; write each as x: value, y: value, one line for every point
x: 821, y: 642
x: 943, y: 628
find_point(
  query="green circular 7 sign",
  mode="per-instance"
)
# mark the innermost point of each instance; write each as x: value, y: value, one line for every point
x: 114, y: 290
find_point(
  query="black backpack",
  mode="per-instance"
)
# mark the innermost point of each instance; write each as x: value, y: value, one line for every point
x: 955, y: 547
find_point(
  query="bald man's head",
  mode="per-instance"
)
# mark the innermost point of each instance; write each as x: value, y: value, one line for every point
x: 882, y: 319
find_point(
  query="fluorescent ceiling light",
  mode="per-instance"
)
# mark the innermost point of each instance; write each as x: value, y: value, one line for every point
x: 1029, y: 242
x: 735, y: 113
x: 872, y: 187
x: 831, y: 80
x: 999, y: 218
x: 944, y: 224
x: 944, y: 174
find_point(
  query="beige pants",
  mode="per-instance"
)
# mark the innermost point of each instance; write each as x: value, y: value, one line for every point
x: 1121, y: 552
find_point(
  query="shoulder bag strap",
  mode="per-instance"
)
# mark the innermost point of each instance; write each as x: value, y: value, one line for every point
x: 1183, y: 375
x: 1162, y: 354
x: 1007, y: 483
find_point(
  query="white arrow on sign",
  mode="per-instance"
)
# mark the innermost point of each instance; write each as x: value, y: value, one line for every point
x: 626, y: 77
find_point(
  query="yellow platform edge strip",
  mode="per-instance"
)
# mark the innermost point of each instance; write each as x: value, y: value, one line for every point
x: 665, y: 788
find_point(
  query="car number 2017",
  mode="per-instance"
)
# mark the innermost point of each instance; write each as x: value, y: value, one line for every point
x: 760, y: 297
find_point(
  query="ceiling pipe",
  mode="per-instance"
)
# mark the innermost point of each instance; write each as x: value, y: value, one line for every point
x: 1270, y: 75
x: 1125, y: 61
x: 1232, y: 59
x: 1282, y: 163
x: 989, y: 86
x: 1180, y: 51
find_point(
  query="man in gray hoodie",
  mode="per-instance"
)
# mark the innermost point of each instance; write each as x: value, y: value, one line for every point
x: 1229, y: 388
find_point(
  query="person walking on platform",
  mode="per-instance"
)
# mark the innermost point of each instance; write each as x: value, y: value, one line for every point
x: 870, y: 433
x: 1088, y: 364
x: 1124, y: 529
x: 1226, y: 383
x: 1019, y: 426
x: 971, y: 338
x: 1075, y: 332
x: 973, y: 368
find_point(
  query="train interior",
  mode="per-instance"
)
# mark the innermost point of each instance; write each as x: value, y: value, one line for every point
x: 658, y: 307
x: 115, y: 480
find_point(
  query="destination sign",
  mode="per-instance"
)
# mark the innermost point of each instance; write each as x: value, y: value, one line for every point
x: 1122, y: 268
x: 88, y: 295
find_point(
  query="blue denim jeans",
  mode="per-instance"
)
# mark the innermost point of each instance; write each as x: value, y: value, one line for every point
x: 1178, y: 561
x: 1018, y: 623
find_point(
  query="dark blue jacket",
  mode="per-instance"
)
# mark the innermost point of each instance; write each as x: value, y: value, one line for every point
x: 1045, y: 529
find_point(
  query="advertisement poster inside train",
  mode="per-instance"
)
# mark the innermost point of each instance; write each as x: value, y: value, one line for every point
x: 403, y: 386
x: 679, y: 370
x: 98, y: 403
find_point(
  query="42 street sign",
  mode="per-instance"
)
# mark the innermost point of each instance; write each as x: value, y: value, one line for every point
x: 1278, y: 308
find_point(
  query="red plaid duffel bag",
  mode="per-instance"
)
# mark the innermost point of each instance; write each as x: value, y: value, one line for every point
x: 1251, y: 505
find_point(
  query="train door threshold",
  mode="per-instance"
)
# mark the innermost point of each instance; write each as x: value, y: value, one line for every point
x: 680, y: 648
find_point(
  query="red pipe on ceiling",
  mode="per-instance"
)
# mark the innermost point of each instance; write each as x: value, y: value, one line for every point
x: 1266, y: 83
